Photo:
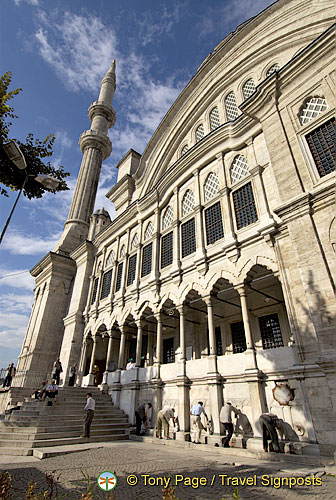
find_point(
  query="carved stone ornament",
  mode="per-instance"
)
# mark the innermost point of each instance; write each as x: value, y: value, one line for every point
x: 282, y: 393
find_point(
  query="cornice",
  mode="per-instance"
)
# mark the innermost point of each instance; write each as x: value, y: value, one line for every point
x: 86, y: 249
x: 52, y: 259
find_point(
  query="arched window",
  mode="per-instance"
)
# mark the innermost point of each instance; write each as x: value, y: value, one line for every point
x: 135, y: 241
x: 239, y: 168
x: 214, y: 118
x: 199, y: 134
x: 312, y: 108
x: 110, y: 258
x: 149, y: 230
x: 211, y: 186
x: 231, y: 107
x: 248, y: 88
x: 272, y: 69
x: 188, y: 202
x: 168, y: 217
x: 184, y: 149
x: 122, y: 251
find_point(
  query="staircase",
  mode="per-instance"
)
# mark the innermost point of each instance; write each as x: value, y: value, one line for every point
x: 36, y: 425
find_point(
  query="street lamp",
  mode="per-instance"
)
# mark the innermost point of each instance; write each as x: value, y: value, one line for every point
x: 15, y: 154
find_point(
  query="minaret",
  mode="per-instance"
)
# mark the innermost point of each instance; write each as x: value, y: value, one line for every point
x: 96, y: 147
x: 60, y: 279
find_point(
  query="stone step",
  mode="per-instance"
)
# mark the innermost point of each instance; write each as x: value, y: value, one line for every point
x: 33, y: 436
x: 45, y: 420
x: 74, y: 440
x: 24, y: 452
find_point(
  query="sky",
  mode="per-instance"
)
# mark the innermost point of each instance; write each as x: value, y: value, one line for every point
x: 58, y: 53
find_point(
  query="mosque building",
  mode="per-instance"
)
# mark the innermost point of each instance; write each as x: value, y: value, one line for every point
x: 217, y: 274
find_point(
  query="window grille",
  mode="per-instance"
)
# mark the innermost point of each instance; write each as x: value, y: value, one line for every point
x: 312, y: 108
x: 231, y: 107
x: 270, y: 331
x: 168, y: 217
x: 135, y: 241
x: 244, y: 206
x: 94, y: 291
x: 119, y: 276
x: 188, y: 237
x: 106, y: 286
x: 146, y: 266
x: 184, y: 149
x: 188, y: 202
x: 168, y: 351
x: 275, y: 67
x: 131, y: 269
x: 321, y: 142
x: 239, y: 168
x: 213, y: 223
x: 110, y: 258
x: 167, y: 249
x: 199, y: 134
x: 238, y: 337
x: 211, y: 186
x: 248, y: 88
x: 219, y: 346
x: 123, y: 251
x: 149, y: 230
x: 214, y: 118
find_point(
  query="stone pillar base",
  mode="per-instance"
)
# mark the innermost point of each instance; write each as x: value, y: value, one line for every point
x: 182, y: 436
x: 116, y: 390
x: 213, y: 439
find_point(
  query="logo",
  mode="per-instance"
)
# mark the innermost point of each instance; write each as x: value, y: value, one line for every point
x: 107, y: 481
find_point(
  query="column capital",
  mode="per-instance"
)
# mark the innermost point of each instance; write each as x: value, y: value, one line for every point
x: 258, y: 169
x: 139, y: 323
x: 181, y: 308
x: 208, y: 300
x: 241, y: 289
x: 158, y: 316
x: 220, y: 156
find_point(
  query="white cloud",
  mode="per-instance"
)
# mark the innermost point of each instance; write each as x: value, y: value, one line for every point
x: 150, y: 29
x: 35, y: 3
x: 16, y: 278
x: 12, y: 329
x: 62, y: 139
x: 79, y: 49
x: 230, y: 13
x: 19, y: 243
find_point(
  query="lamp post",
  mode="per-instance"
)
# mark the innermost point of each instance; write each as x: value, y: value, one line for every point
x: 15, y: 154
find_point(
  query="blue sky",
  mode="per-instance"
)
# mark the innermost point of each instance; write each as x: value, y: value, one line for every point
x: 58, y: 53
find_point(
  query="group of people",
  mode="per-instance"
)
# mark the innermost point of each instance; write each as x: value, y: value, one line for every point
x: 269, y: 423
x: 58, y: 369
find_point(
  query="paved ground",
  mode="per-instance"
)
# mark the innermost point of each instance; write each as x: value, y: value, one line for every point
x: 139, y: 459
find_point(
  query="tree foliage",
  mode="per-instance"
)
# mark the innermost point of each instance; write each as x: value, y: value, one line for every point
x: 34, y: 150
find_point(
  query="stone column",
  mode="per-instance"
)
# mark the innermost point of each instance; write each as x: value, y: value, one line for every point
x: 264, y: 212
x: 159, y: 346
x: 211, y: 327
x: 251, y: 359
x: 92, y: 362
x: 200, y: 257
x: 176, y: 233
x: 182, y: 333
x: 139, y: 344
x: 122, y: 348
x: 183, y: 385
x: 229, y: 233
x: 82, y: 361
x: 109, y: 352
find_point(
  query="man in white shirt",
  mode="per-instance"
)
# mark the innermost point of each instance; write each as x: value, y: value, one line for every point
x: 196, y: 424
x: 163, y: 418
x: 226, y: 419
x: 89, y: 408
x: 51, y: 391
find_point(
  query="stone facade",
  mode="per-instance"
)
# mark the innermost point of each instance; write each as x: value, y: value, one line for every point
x: 218, y: 274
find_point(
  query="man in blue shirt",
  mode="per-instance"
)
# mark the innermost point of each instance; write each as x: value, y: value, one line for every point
x: 196, y: 424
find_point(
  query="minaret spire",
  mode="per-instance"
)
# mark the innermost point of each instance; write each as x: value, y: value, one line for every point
x: 96, y: 147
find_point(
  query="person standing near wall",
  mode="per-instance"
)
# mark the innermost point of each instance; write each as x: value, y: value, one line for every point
x: 72, y: 374
x: 196, y: 424
x: 10, y: 373
x: 89, y: 408
x: 141, y: 416
x: 57, y: 370
x: 163, y: 418
x: 268, y: 423
x: 225, y: 418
